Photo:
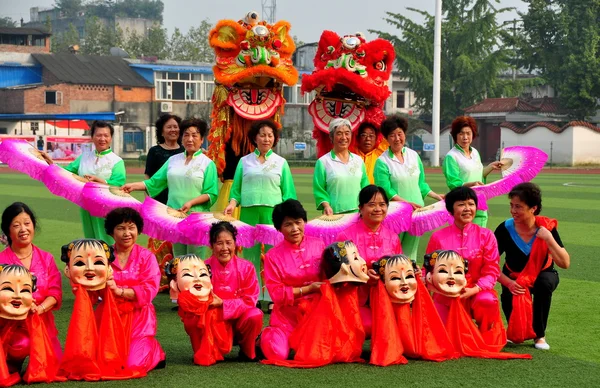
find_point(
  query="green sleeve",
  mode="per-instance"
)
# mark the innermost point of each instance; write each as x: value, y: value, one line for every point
x: 288, y: 189
x: 158, y: 182
x: 320, y: 186
x: 236, y: 187
x: 383, y: 178
x: 73, y: 167
x: 451, y: 172
x: 423, y: 186
x: 364, y: 181
x: 118, y: 175
x: 210, y: 185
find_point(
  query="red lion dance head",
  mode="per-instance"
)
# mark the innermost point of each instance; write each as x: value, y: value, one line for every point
x: 254, y: 60
x: 351, y: 82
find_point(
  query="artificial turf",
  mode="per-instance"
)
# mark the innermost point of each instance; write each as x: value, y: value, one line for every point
x: 573, y: 330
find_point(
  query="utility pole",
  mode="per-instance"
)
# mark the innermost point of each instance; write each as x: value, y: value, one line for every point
x: 437, y: 66
x: 269, y: 10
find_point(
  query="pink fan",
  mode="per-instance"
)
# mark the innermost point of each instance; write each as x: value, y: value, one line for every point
x: 328, y: 227
x: 429, y: 218
x: 160, y: 221
x: 195, y: 229
x: 267, y: 234
x: 23, y: 157
x: 519, y: 164
x: 64, y: 184
x: 99, y: 199
x: 398, y: 218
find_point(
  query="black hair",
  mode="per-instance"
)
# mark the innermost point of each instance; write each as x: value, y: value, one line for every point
x: 391, y: 123
x: 529, y: 193
x: 171, y: 266
x: 431, y: 258
x: 101, y: 124
x: 122, y: 214
x: 19, y: 269
x: 368, y: 192
x: 334, y: 256
x: 460, y: 193
x: 364, y: 125
x: 221, y: 226
x: 379, y: 265
x: 9, y: 214
x: 65, y: 251
x: 255, y: 130
x: 160, y: 124
x: 193, y: 122
x: 289, y: 208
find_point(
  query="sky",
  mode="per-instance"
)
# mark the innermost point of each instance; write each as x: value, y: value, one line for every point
x: 307, y: 17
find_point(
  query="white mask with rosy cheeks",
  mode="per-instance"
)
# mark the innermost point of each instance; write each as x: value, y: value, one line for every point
x: 400, y: 280
x: 89, y: 267
x: 193, y: 275
x: 355, y: 270
x: 16, y: 293
x: 449, y: 275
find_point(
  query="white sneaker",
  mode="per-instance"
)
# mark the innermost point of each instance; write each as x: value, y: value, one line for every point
x: 541, y: 344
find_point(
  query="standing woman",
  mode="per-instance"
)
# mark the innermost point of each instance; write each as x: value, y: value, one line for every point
x: 135, y: 280
x: 101, y: 165
x: 532, y: 246
x: 339, y: 174
x: 462, y: 165
x: 190, y: 176
x: 369, y: 145
x: 19, y: 226
x: 399, y: 171
x: 262, y: 180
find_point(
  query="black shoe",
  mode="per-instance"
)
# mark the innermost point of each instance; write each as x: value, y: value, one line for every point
x: 161, y: 364
x: 176, y: 308
x: 242, y: 357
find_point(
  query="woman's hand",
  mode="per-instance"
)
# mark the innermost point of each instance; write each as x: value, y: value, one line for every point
x: 415, y: 206
x: 327, y: 210
x: 515, y: 288
x: 230, y: 208
x: 439, y: 197
x: 186, y: 207
x: 313, y: 287
x: 373, y: 277
x: 128, y: 188
x: 544, y: 234
x: 46, y: 157
x: 93, y: 178
x: 473, y: 184
x: 216, y: 302
x: 469, y: 292
x: 495, y: 166
x: 112, y: 285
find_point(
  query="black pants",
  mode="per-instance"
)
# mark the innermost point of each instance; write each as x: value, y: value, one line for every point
x: 542, y: 290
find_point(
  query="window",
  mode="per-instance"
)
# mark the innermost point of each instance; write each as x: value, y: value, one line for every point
x: 35, y: 126
x: 184, y: 86
x: 53, y: 97
x: 400, y: 99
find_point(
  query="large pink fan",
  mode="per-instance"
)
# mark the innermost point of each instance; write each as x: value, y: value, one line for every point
x: 195, y: 229
x: 267, y: 234
x: 519, y: 164
x: 160, y: 221
x: 23, y: 157
x: 64, y: 184
x: 429, y: 218
x: 99, y: 199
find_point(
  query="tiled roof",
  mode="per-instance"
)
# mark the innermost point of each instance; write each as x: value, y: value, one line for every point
x: 583, y: 124
x: 23, y: 31
x: 501, y: 105
x: 552, y: 127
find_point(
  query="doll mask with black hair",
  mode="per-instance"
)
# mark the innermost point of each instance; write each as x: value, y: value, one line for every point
x: 446, y: 272
x: 342, y: 263
x: 189, y: 272
x: 398, y: 273
x: 17, y: 286
x: 88, y: 263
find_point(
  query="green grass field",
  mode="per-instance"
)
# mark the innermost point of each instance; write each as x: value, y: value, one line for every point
x: 573, y: 330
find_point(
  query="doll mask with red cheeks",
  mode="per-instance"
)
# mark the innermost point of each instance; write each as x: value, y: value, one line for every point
x: 399, y: 278
x: 88, y: 263
x: 189, y: 272
x: 17, y: 286
x: 342, y: 263
x: 446, y: 273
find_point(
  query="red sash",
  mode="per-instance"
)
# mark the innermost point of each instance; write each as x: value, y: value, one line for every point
x: 386, y: 344
x: 43, y: 361
x: 7, y: 379
x: 520, y: 324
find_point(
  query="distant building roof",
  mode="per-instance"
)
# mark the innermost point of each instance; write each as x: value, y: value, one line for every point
x: 550, y: 126
x: 23, y: 31
x: 515, y: 104
x: 91, y: 70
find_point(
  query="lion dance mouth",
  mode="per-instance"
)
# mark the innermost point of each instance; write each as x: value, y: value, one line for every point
x: 350, y: 81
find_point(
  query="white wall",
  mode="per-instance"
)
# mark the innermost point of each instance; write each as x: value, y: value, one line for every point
x: 544, y: 139
x: 586, y: 146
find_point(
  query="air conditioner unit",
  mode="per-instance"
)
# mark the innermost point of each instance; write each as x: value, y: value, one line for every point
x: 166, y: 107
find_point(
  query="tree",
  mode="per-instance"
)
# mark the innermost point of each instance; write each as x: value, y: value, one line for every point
x: 60, y: 43
x: 473, y: 55
x: 7, y: 22
x: 192, y: 46
x: 69, y: 8
x: 561, y: 40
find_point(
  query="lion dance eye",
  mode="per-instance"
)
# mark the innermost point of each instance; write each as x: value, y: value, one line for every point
x: 380, y: 66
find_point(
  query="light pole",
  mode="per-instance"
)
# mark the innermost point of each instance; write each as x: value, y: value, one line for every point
x: 437, y: 57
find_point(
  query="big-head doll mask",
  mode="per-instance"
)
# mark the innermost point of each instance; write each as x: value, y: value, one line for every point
x: 17, y: 286
x: 190, y: 273
x: 398, y: 272
x: 88, y: 263
x: 342, y: 263
x: 446, y: 272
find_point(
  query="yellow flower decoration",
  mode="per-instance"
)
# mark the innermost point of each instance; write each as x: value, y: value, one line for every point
x: 71, y: 245
x: 343, y: 252
x: 382, y: 264
x: 432, y: 261
x: 1, y: 268
x: 341, y: 244
x: 175, y: 264
x: 434, y: 255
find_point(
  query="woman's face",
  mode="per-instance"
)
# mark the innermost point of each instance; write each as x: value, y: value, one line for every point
x: 102, y: 139
x: 342, y: 138
x: 224, y: 247
x: 519, y: 210
x: 193, y: 275
x: 16, y: 295
x: 22, y: 230
x: 192, y: 141
x: 448, y: 277
x: 293, y: 230
x: 400, y: 281
x: 397, y: 139
x: 374, y: 211
x: 170, y: 131
x: 367, y: 140
x: 125, y: 235
x: 88, y: 267
x: 265, y: 139
x: 464, y: 212
x: 465, y: 137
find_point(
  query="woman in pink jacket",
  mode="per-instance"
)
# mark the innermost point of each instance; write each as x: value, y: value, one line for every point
x: 292, y: 276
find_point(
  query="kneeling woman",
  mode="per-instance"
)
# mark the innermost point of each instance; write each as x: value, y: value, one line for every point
x: 135, y: 282
x: 532, y: 246
x: 235, y: 288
